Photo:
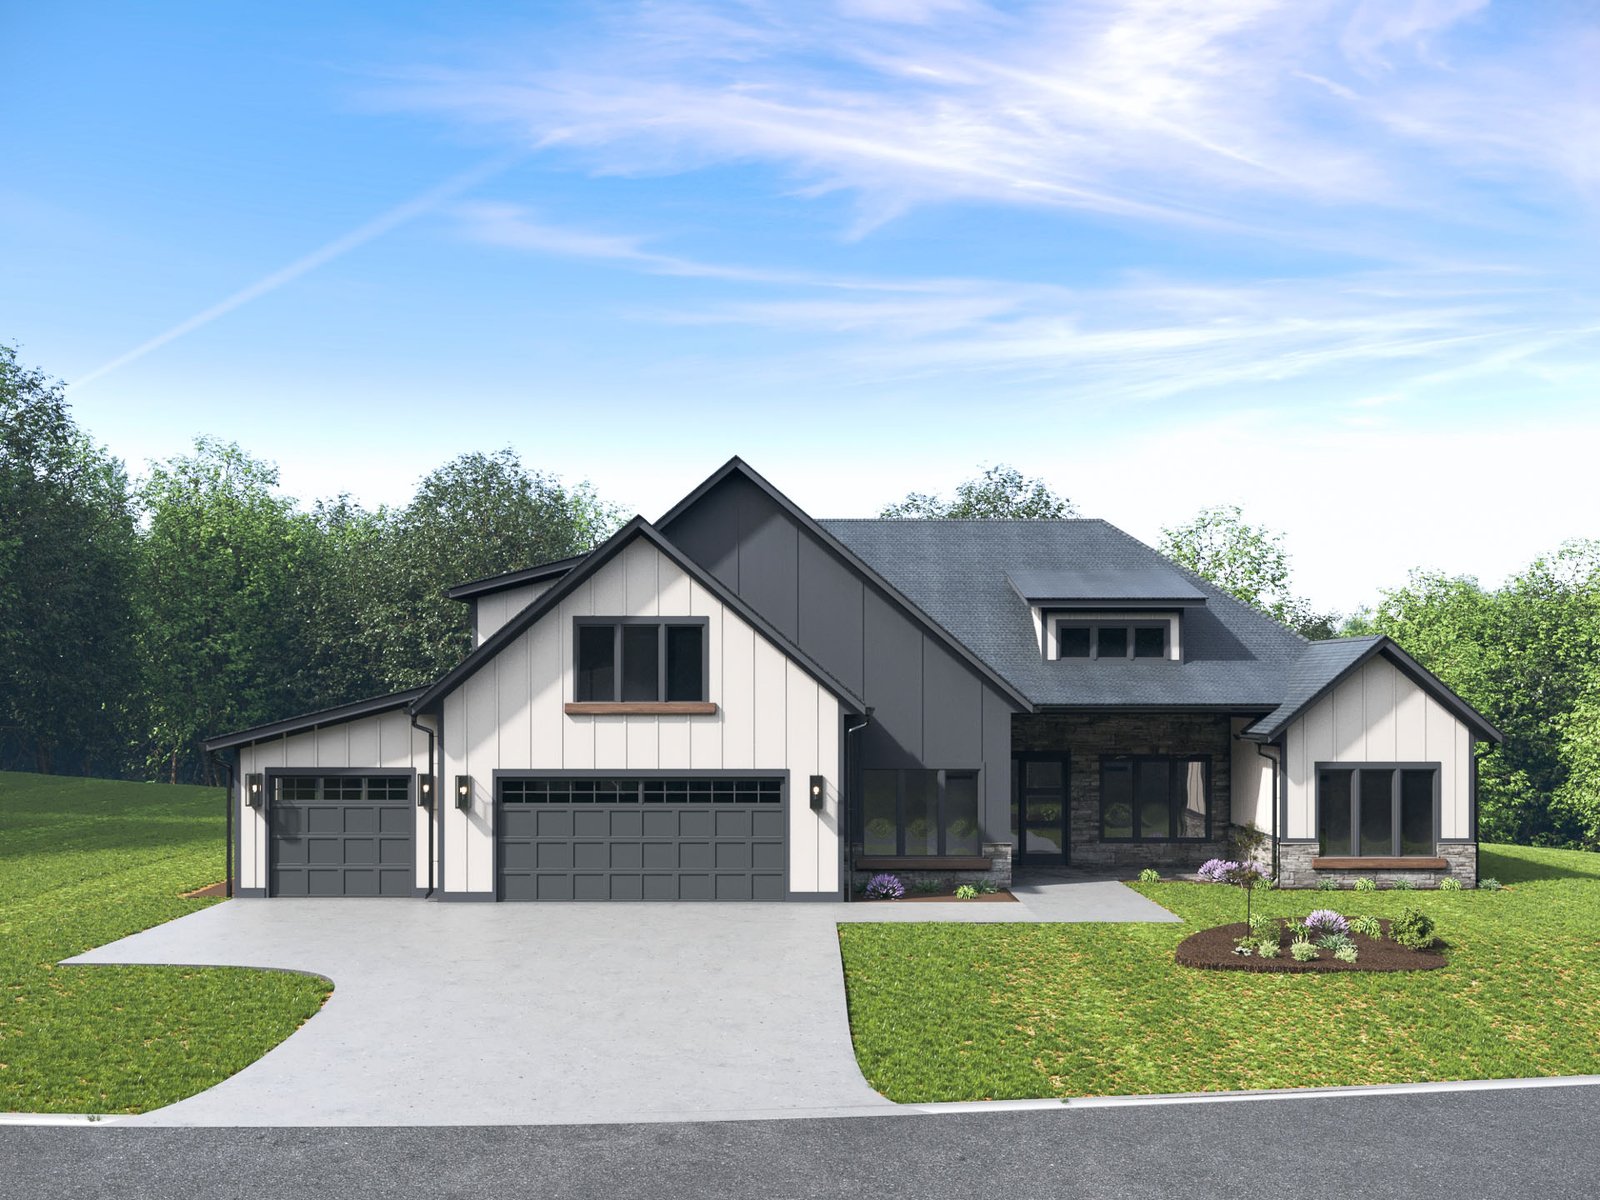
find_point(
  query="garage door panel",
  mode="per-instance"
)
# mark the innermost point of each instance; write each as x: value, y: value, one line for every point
x: 621, y: 838
x: 342, y: 836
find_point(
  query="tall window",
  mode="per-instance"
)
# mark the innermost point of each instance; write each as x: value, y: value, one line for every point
x: 1155, y: 799
x: 634, y: 660
x: 920, y: 813
x: 1380, y: 810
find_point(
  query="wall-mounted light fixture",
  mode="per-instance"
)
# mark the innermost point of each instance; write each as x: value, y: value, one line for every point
x: 425, y: 791
x: 463, y: 791
x: 818, y: 791
x: 255, y: 790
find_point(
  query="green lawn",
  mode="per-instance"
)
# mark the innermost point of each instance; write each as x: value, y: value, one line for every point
x: 84, y: 862
x: 966, y: 1012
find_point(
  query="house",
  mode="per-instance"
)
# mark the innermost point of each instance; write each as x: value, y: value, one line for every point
x: 741, y: 702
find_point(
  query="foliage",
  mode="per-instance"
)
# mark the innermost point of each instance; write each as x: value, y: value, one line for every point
x: 1299, y: 931
x: 84, y: 862
x: 1449, y: 884
x: 1489, y: 884
x: 1215, y: 870
x: 1327, y: 883
x: 66, y: 566
x: 1247, y: 561
x: 1263, y: 926
x: 1334, y: 941
x: 1369, y: 927
x: 1325, y: 921
x: 1245, y: 840
x: 1413, y: 929
x: 1268, y: 948
x: 986, y: 887
x: 1000, y: 493
x: 885, y: 887
x: 1149, y: 875
x: 1267, y: 883
x: 1347, y: 953
x: 928, y: 885
x: 966, y: 892
x: 1366, y: 884
x: 1403, y: 885
x: 1302, y: 951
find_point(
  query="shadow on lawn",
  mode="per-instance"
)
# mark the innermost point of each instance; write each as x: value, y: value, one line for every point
x: 1508, y: 864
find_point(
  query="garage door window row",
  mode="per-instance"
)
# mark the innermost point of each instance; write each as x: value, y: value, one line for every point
x: 344, y: 789
x: 641, y: 791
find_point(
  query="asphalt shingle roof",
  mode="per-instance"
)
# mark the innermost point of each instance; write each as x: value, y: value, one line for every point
x: 1078, y: 586
x: 957, y: 572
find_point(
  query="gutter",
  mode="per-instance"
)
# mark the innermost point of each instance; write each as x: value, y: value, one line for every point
x: 433, y: 798
x: 228, y: 808
x: 846, y: 828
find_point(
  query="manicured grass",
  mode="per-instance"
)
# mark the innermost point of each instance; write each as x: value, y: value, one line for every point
x: 966, y: 1012
x: 84, y: 862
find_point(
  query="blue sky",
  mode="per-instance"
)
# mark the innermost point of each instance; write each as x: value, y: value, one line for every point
x: 1333, y: 261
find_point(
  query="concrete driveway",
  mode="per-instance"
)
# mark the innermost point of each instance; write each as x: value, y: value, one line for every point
x: 513, y: 1014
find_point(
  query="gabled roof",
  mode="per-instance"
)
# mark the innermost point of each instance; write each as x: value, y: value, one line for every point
x: 1325, y: 665
x: 1234, y: 656
x: 1084, y: 586
x: 597, y: 558
x: 821, y: 531
x: 314, y: 720
x: 511, y: 579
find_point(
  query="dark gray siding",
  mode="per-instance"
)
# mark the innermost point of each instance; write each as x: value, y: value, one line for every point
x: 930, y: 708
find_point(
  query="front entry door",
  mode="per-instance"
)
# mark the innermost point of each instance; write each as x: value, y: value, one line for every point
x: 1040, y: 824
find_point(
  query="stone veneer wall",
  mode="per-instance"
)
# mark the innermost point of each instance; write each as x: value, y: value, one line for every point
x: 1086, y: 736
x: 999, y: 872
x: 1295, y: 870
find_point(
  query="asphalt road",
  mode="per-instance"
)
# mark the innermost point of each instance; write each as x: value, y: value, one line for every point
x: 1495, y: 1145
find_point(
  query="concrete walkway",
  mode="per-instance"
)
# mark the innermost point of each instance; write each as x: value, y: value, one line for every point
x: 512, y: 1014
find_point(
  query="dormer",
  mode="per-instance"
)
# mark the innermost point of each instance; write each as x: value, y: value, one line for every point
x: 1133, y: 614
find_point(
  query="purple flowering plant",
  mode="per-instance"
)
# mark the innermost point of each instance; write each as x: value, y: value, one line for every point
x: 885, y: 887
x: 1215, y: 870
x: 1325, y: 921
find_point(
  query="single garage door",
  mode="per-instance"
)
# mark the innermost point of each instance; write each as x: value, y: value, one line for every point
x: 343, y: 835
x: 690, y: 837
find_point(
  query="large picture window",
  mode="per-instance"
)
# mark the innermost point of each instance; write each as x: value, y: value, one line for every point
x: 1155, y: 799
x: 630, y: 660
x: 1378, y: 810
x: 919, y: 813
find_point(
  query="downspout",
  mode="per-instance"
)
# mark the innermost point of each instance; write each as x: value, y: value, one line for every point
x: 433, y: 799
x: 846, y: 826
x: 1273, y: 759
x: 228, y: 853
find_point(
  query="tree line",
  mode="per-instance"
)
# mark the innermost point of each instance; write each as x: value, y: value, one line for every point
x: 139, y: 616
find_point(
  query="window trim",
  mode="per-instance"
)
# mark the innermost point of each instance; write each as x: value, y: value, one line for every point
x: 1131, y: 760
x: 942, y: 775
x: 661, y: 624
x: 1093, y: 624
x: 1394, y: 851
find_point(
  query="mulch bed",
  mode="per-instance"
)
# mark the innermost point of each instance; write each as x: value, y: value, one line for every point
x: 1212, y: 950
x: 1001, y: 896
x: 205, y: 893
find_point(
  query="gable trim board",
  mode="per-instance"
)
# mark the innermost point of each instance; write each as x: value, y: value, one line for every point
x: 511, y: 579
x: 313, y: 720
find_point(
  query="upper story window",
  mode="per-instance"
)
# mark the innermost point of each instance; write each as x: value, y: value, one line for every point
x: 1113, y: 638
x: 634, y: 659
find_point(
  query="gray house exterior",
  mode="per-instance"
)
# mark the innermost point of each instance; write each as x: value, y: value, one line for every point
x: 740, y: 701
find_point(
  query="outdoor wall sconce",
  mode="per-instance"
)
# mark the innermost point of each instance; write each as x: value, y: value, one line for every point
x: 463, y: 791
x: 425, y: 792
x: 254, y: 790
x: 817, y: 791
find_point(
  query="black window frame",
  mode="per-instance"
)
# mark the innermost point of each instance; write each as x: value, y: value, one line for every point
x: 662, y: 624
x: 1129, y: 625
x: 942, y: 776
x: 1174, y: 796
x: 1395, y: 789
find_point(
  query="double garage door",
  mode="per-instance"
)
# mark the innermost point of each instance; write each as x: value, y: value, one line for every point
x: 342, y: 835
x: 693, y: 837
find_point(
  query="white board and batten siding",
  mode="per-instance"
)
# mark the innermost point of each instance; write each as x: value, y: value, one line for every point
x: 494, y: 610
x: 1378, y: 714
x: 771, y: 715
x: 1251, y: 774
x: 383, y: 742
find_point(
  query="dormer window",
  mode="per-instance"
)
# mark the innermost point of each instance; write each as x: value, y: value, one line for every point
x: 1114, y: 637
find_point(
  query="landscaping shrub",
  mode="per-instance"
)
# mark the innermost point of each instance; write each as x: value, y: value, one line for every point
x: 1325, y: 920
x: 1412, y: 929
x: 966, y: 892
x: 885, y: 887
x: 1346, y: 953
x: 928, y: 885
x: 1149, y: 875
x: 1404, y: 885
x: 1449, y: 884
x: 1298, y: 931
x: 1267, y: 949
x: 1366, y: 884
x: 1215, y: 870
x: 1489, y: 884
x: 986, y: 887
x: 1334, y: 941
x: 1303, y: 951
x: 1264, y: 927
x: 1267, y: 883
x: 1326, y: 884
x: 1367, y: 926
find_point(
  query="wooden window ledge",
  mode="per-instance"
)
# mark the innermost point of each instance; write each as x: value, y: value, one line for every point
x: 912, y: 862
x: 1379, y: 864
x: 641, y: 708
